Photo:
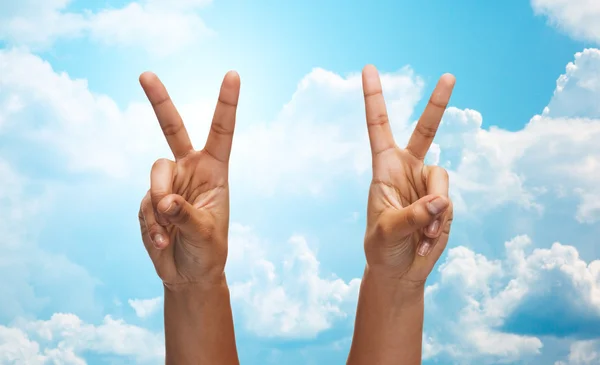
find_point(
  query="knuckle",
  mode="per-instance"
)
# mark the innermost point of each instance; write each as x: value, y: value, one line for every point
x: 426, y: 131
x: 380, y: 119
x: 161, y: 161
x: 447, y: 226
x: 443, y: 173
x: 155, y: 197
x: 143, y: 203
x: 450, y: 211
x: 172, y: 128
x: 219, y: 129
x: 449, y: 220
x: 438, y: 103
x: 410, y: 217
x: 154, y: 229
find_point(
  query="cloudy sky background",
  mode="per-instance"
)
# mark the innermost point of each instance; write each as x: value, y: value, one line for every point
x: 519, y: 282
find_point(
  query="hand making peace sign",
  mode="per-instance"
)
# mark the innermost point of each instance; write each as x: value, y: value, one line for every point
x: 184, y: 217
x: 409, y: 212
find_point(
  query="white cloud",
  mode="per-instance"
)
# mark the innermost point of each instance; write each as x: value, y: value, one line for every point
x: 320, y: 134
x: 578, y: 18
x: 490, y: 294
x: 145, y: 307
x: 290, y: 299
x: 17, y: 348
x: 555, y: 156
x: 76, y: 120
x: 65, y: 339
x: 577, y: 89
x: 36, y: 276
x: 159, y: 26
x: 583, y: 353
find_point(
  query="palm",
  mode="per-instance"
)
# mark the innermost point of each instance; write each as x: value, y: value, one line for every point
x: 400, y: 179
x: 189, y: 243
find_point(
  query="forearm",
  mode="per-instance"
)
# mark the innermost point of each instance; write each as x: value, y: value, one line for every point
x: 389, y: 322
x: 199, y: 324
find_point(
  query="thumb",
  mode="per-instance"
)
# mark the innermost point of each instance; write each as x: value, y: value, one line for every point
x: 418, y: 215
x: 178, y: 212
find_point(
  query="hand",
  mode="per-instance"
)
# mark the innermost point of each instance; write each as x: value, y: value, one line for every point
x: 409, y: 212
x: 184, y: 217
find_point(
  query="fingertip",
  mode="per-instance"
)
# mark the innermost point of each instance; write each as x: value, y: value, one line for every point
x: 160, y: 241
x: 424, y: 247
x: 230, y: 89
x: 448, y: 79
x: 370, y: 76
x: 369, y: 69
x: 371, y: 81
x: 437, y: 205
x: 232, y: 77
x: 147, y: 77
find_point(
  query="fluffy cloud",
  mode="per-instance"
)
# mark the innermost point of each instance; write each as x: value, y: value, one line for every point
x: 506, y: 306
x: 326, y: 113
x: 578, y: 88
x: 555, y: 156
x: 36, y: 275
x: 583, y: 353
x: 290, y: 299
x: 145, y: 307
x: 65, y: 339
x: 76, y: 120
x: 159, y: 26
x: 578, y: 18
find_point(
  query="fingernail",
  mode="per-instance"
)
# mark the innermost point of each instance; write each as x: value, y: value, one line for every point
x: 437, y: 205
x: 159, y: 240
x: 433, y: 227
x: 424, y: 247
x: 173, y: 209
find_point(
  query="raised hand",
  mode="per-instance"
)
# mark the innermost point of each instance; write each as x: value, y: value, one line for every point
x: 184, y: 219
x: 408, y: 221
x: 409, y: 212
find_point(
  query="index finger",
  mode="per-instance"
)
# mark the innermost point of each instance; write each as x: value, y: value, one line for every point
x: 380, y: 133
x: 169, y: 119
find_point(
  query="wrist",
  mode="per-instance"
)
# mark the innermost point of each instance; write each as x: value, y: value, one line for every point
x: 400, y: 289
x: 214, y: 280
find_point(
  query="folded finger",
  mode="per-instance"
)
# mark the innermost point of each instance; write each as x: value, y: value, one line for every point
x: 437, y: 184
x: 157, y: 237
x: 161, y: 183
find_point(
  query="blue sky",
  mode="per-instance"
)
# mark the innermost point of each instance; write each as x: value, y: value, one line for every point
x: 519, y: 282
